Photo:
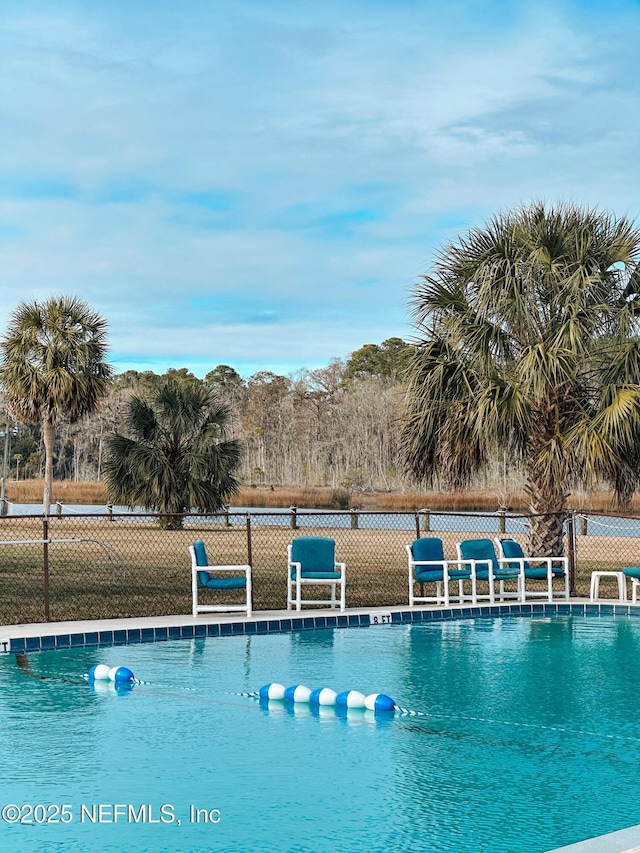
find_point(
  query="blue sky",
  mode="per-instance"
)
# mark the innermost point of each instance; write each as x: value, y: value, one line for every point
x: 260, y: 183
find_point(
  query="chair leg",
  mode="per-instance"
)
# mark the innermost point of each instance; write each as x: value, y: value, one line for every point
x: 195, y: 599
x: 249, y: 592
x: 461, y: 594
x: 521, y: 592
x: 622, y: 586
x: 492, y: 591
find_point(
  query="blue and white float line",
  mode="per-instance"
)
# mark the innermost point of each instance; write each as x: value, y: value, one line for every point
x: 120, y: 675
x: 326, y: 697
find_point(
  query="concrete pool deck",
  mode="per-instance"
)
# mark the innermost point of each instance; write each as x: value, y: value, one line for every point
x: 37, y: 629
x: 614, y: 842
x: 42, y: 636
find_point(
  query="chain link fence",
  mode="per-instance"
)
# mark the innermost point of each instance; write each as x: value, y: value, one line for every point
x: 99, y: 566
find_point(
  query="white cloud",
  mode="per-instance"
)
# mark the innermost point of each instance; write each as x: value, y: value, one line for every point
x: 346, y: 142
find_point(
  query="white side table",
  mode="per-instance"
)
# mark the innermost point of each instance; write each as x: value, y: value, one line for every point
x: 595, y: 584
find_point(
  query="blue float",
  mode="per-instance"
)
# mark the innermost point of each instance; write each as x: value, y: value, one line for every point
x: 298, y: 693
x: 100, y: 672
x: 121, y: 675
x: 380, y: 702
x: 324, y: 696
x: 351, y: 699
x: 116, y: 674
x: 272, y: 691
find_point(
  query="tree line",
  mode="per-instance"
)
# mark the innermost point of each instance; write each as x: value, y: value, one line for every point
x: 336, y: 426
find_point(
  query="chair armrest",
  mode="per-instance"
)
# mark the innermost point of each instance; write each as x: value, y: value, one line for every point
x: 460, y: 563
x: 223, y: 568
x: 471, y: 561
x: 236, y: 570
x: 548, y: 561
x: 505, y: 562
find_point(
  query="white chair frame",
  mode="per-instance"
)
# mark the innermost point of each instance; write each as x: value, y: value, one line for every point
x: 502, y: 593
x: 542, y: 561
x: 442, y: 595
x: 299, y: 582
x: 228, y: 570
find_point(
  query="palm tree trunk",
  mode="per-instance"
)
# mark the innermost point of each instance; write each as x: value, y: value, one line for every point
x: 48, y: 436
x: 547, y: 502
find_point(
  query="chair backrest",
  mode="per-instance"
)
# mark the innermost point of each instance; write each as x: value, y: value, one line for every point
x: 200, y: 553
x: 480, y: 549
x: 511, y: 548
x: 199, y: 556
x: 427, y: 548
x: 315, y: 554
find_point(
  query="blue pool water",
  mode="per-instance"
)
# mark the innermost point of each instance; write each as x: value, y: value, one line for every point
x: 529, y: 741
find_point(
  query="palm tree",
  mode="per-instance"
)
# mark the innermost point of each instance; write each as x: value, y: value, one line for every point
x: 52, y: 366
x: 177, y: 458
x: 528, y: 341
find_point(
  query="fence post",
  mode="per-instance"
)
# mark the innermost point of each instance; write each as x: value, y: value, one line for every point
x: 58, y: 508
x: 249, y: 549
x: 294, y: 517
x: 582, y: 525
x: 45, y: 566
x: 571, y: 551
x: 425, y: 515
x: 502, y: 520
x: 354, y: 518
x: 227, y: 523
x: 110, y: 511
x: 417, y: 519
x: 4, y: 507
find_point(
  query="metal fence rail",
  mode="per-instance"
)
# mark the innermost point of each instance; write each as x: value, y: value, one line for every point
x: 96, y: 566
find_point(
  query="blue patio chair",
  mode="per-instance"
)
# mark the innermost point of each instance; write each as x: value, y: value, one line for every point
x: 427, y: 564
x: 480, y: 556
x: 535, y: 568
x: 218, y: 578
x: 312, y: 562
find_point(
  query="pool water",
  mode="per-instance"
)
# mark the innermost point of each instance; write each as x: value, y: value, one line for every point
x: 529, y: 741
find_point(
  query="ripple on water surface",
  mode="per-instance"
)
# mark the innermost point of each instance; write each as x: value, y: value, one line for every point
x: 514, y: 748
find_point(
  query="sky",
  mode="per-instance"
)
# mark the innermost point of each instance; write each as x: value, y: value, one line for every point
x: 260, y: 184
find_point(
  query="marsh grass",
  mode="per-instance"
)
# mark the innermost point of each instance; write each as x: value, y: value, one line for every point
x: 321, y: 497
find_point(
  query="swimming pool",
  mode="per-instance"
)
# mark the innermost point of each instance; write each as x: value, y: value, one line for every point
x: 529, y: 741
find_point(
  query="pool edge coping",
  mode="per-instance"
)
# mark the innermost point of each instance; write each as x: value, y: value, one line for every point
x: 48, y: 636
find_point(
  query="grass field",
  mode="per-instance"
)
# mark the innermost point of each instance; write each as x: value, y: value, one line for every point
x: 128, y: 567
